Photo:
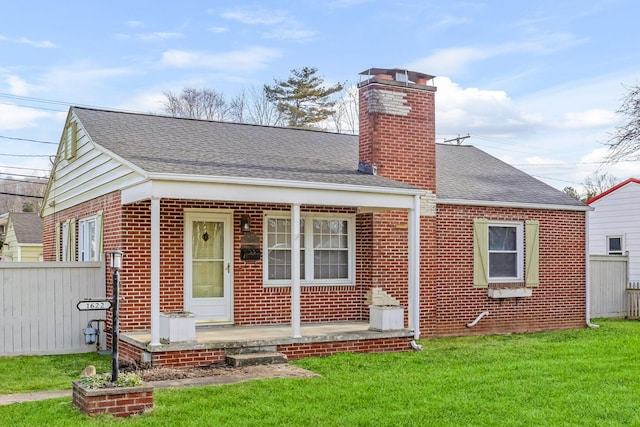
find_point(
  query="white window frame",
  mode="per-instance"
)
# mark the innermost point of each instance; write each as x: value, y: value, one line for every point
x: 306, y: 248
x: 65, y: 241
x: 85, y: 225
x: 608, y: 244
x: 519, y: 251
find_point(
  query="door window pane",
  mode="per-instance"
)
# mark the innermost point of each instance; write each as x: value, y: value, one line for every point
x: 207, y: 254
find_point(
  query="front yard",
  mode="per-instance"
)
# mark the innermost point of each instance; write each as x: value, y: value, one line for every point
x: 583, y: 377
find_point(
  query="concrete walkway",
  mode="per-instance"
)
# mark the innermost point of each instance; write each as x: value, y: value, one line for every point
x: 247, y: 374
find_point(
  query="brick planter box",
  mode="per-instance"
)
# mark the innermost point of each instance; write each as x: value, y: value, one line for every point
x: 117, y: 401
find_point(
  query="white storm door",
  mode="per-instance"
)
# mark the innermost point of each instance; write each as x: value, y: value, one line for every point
x: 207, y: 250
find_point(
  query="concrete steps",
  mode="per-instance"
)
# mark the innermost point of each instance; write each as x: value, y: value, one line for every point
x: 252, y: 359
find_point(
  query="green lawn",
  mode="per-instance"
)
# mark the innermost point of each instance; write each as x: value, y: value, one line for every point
x: 586, y: 377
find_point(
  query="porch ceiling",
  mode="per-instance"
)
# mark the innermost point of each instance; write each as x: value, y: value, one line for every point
x: 216, y: 337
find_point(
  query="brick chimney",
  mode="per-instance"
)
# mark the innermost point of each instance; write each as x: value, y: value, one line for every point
x: 397, y: 126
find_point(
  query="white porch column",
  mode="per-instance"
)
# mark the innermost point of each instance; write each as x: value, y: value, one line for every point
x: 414, y: 267
x: 295, y: 271
x: 155, y: 271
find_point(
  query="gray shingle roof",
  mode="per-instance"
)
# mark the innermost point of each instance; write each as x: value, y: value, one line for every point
x: 467, y: 173
x: 27, y: 226
x: 170, y: 145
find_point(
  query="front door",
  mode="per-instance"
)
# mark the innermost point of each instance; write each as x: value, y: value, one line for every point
x: 207, y: 250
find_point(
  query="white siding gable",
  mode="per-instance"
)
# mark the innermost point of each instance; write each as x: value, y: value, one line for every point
x: 83, y: 170
x: 618, y: 214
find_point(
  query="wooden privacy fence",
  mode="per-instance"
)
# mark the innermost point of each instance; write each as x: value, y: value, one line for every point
x: 38, y: 313
x: 633, y: 300
x: 608, y: 284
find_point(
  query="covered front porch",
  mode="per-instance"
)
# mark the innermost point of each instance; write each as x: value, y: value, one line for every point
x: 213, y: 343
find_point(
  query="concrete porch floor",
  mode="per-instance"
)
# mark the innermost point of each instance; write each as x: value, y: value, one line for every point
x: 230, y: 337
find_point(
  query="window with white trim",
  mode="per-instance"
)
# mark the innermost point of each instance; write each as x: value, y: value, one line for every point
x: 505, y: 252
x: 87, y: 242
x: 327, y: 252
x: 614, y: 245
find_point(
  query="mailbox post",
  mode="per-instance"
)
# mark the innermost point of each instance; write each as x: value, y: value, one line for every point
x: 116, y: 265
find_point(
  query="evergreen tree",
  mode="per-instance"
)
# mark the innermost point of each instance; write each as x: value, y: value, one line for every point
x: 302, y: 99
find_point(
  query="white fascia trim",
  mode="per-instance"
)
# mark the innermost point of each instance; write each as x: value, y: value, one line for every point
x: 518, y: 205
x: 263, y: 182
x: 280, y: 192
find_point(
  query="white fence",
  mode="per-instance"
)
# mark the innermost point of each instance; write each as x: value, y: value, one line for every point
x: 38, y: 313
x: 633, y: 300
x: 609, y: 278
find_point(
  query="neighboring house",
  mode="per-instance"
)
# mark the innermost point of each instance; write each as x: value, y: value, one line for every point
x: 614, y: 225
x: 263, y: 227
x: 23, y: 238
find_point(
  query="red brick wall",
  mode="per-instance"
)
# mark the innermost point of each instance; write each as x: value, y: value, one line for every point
x: 253, y: 302
x: 401, y: 146
x: 557, y: 303
x: 204, y: 357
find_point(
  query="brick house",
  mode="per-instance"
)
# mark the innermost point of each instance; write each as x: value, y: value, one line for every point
x: 277, y: 237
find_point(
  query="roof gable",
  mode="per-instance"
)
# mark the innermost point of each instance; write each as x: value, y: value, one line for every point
x: 631, y: 181
x: 27, y: 227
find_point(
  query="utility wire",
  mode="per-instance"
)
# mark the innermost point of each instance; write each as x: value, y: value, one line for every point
x: 25, y: 155
x: 29, y: 140
x: 21, y: 195
x: 18, y: 167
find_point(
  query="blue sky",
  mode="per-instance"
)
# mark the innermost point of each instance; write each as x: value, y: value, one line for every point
x: 536, y: 84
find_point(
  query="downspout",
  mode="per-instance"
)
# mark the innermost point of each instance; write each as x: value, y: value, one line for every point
x: 480, y: 316
x: 414, y: 272
x: 587, y: 274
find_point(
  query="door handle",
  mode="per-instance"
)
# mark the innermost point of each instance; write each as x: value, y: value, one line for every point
x: 228, y: 267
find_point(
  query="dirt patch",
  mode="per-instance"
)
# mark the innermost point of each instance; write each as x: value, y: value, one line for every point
x: 249, y: 372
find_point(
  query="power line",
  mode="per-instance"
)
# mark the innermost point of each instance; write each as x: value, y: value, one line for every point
x: 22, y: 168
x: 21, y: 195
x: 31, y: 106
x: 28, y: 140
x: 25, y: 155
x: 22, y: 181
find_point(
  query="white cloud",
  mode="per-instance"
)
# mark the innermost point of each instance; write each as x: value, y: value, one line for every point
x: 293, y: 32
x: 80, y: 77
x: 250, y: 59
x: 218, y: 30
x: 467, y: 110
x: 255, y: 16
x: 134, y: 24
x: 282, y: 26
x: 160, y: 35
x: 17, y: 86
x: 43, y: 44
x: 16, y: 117
x: 594, y: 118
x: 450, y: 20
x: 456, y: 60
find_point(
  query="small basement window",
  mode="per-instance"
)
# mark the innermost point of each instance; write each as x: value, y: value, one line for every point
x: 614, y: 245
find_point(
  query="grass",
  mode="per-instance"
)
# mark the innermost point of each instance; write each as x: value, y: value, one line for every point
x: 583, y: 377
x: 26, y: 374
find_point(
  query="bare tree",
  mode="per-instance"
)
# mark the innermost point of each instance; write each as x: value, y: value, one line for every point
x: 346, y: 115
x: 197, y: 104
x: 624, y: 143
x: 261, y: 111
x: 598, y: 183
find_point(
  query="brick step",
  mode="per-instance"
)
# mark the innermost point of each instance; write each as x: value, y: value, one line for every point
x: 252, y: 359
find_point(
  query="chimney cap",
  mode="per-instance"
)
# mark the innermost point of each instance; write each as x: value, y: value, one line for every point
x: 394, y: 73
